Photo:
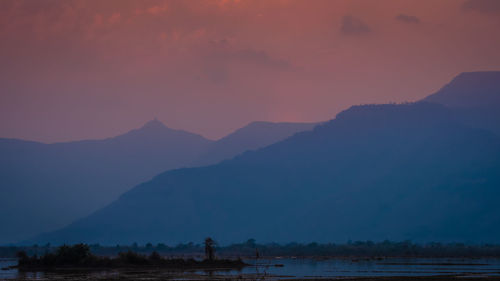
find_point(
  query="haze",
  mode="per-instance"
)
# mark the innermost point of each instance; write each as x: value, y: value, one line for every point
x: 90, y: 69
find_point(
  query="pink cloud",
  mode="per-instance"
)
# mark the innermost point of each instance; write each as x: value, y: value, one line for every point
x: 76, y: 69
x: 114, y: 18
x: 155, y: 10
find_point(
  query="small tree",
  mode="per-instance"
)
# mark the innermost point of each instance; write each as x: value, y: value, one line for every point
x: 23, y: 257
x: 210, y: 249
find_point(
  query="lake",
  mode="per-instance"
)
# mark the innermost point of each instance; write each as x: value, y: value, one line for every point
x: 286, y: 268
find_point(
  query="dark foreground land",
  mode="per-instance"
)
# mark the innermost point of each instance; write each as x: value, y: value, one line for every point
x: 403, y: 278
x: 361, y: 249
x: 407, y: 278
x: 79, y: 257
x: 360, y: 260
x: 157, y: 276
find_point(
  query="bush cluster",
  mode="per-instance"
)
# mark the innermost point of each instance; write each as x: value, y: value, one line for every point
x: 80, y: 256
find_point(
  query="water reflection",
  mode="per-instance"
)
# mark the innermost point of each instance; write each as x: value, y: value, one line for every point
x: 275, y: 269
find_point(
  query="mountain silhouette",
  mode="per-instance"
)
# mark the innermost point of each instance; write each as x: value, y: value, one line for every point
x: 409, y: 171
x: 470, y: 89
x: 253, y: 136
x: 46, y: 186
x: 474, y: 97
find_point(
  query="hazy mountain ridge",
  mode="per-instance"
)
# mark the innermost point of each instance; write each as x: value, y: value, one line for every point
x: 470, y: 89
x: 364, y: 175
x: 375, y: 172
x: 46, y: 186
x: 253, y: 136
x: 474, y: 97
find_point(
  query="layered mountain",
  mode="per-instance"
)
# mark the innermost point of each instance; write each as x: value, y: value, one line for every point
x: 428, y: 171
x: 253, y: 136
x: 474, y: 97
x: 46, y: 186
x: 411, y: 171
x: 470, y: 89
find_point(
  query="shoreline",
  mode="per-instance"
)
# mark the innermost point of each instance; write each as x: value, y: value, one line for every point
x: 271, y: 269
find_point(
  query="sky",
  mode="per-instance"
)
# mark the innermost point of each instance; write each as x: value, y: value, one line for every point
x: 80, y: 69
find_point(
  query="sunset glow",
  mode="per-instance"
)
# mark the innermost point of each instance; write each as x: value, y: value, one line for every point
x: 90, y: 69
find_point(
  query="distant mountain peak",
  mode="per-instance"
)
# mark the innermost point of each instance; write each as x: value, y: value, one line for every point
x: 154, y: 124
x: 254, y: 135
x: 282, y: 129
x: 470, y: 89
x: 274, y: 124
x: 255, y: 123
x: 479, y: 76
x: 476, y: 82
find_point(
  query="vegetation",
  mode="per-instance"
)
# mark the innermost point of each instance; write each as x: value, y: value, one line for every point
x: 80, y: 256
x: 210, y: 249
x: 252, y: 249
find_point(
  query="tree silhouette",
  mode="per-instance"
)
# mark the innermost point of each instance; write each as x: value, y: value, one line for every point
x: 210, y: 249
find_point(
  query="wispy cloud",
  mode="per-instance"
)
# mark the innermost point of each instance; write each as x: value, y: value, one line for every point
x: 482, y: 6
x: 354, y: 26
x: 407, y: 19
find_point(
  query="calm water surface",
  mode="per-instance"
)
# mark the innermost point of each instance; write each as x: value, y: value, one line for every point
x: 299, y: 268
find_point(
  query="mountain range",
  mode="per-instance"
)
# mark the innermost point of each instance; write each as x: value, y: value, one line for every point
x: 46, y: 186
x: 425, y: 171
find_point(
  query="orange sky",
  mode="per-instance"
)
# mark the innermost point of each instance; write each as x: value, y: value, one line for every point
x: 91, y: 69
